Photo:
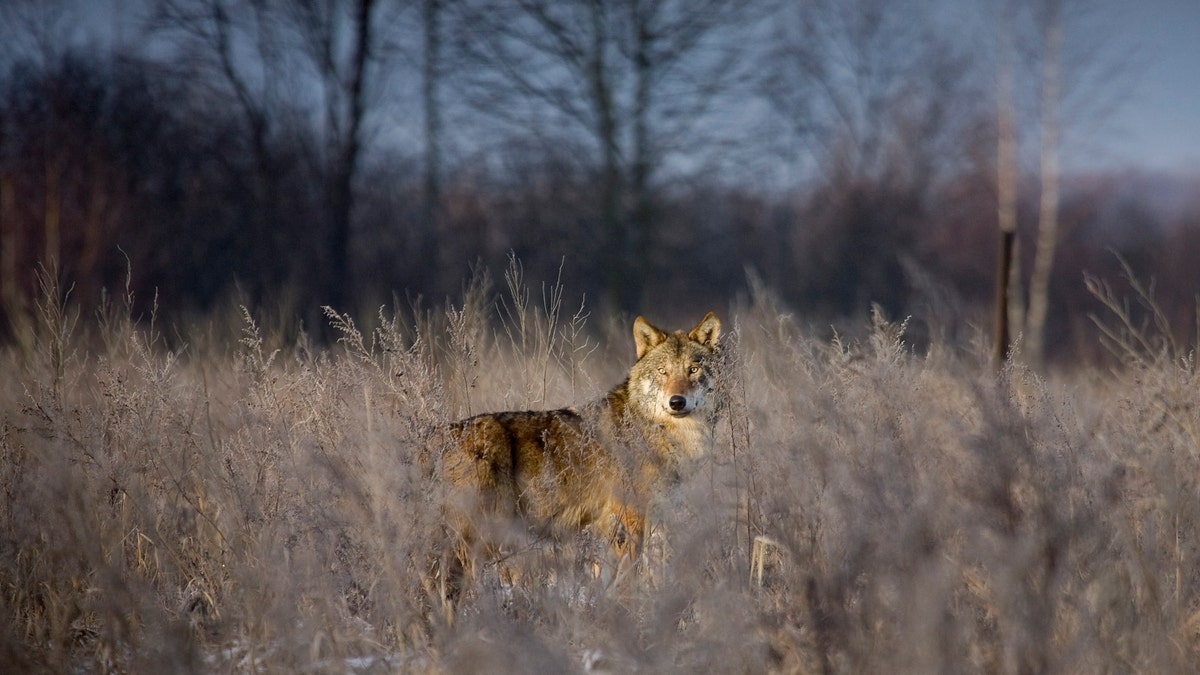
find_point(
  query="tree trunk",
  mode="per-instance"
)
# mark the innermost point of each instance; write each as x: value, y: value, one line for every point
x: 52, y: 209
x: 341, y: 201
x: 431, y: 73
x: 97, y: 214
x: 641, y: 226
x: 617, y: 243
x: 1047, y: 237
x: 11, y: 296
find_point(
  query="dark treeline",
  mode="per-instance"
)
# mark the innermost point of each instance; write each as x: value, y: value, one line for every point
x: 296, y: 153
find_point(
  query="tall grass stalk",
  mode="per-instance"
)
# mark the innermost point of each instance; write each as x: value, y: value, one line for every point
x: 247, y: 502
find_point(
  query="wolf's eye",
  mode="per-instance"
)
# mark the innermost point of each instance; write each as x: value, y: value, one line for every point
x: 662, y: 371
x: 692, y: 370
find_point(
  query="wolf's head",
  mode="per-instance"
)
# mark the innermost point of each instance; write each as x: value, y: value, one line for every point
x: 674, y: 371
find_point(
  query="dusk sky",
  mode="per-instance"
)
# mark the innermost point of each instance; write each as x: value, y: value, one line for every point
x: 1158, y: 127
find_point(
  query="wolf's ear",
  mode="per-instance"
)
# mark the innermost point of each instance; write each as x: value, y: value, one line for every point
x: 645, y: 336
x: 708, y: 331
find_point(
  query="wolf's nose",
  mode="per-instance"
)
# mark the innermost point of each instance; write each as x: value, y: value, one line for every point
x: 677, y: 403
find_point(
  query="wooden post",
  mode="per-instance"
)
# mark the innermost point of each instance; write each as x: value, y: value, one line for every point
x: 1006, y: 184
x: 1001, y: 335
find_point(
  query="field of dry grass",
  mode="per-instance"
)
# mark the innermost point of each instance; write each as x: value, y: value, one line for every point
x: 228, y: 498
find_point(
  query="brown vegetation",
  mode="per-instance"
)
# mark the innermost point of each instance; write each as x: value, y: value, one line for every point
x: 247, y: 502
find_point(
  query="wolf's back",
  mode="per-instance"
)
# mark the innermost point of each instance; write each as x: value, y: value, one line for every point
x: 544, y: 464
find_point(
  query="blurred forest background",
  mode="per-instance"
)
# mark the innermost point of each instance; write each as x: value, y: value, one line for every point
x: 654, y: 154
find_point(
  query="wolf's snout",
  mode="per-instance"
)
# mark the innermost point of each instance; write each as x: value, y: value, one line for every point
x: 677, y: 403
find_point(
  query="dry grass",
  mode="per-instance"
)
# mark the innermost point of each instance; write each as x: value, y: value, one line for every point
x: 249, y: 503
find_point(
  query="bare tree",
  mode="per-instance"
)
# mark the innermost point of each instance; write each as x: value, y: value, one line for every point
x: 236, y: 54
x: 872, y: 93
x: 636, y: 77
x: 337, y: 38
x: 288, y: 62
x: 869, y: 88
x: 57, y: 150
x: 1047, y: 237
x: 432, y: 70
x: 1081, y: 82
x: 36, y: 34
x: 11, y: 297
x: 1048, y: 209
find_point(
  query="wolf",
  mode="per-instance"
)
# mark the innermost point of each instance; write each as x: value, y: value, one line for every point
x: 594, y: 468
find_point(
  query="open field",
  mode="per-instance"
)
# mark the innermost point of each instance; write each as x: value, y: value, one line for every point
x: 232, y: 499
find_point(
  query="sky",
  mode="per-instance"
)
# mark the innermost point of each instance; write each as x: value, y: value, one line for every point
x: 1158, y: 126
